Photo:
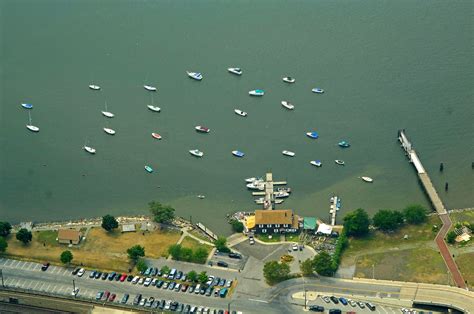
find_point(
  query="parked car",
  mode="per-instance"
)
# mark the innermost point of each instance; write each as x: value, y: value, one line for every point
x: 155, y: 304
x: 166, y: 284
x: 222, y: 282
x: 191, y: 289
x: 142, y: 302
x: 334, y: 300
x: 150, y: 301
x: 316, y: 308
x: 168, y: 305
x: 45, y: 266
x: 92, y: 274
x: 154, y: 282
x: 81, y: 272
x: 137, y: 299
x: 222, y: 264
x: 335, y: 311
x: 106, y: 294
x: 153, y: 271
x: 361, y: 304
x: 117, y: 277
x: 235, y: 255
x: 352, y: 302
x: 179, y: 274
x: 251, y: 241
x: 141, y: 280
x: 295, y: 247
x: 326, y: 299
x: 147, y: 282
x: 172, y: 285
x: 209, y: 291
x: 223, y: 292
x: 111, y: 276
x: 370, y: 306
x: 202, y: 291
x: 75, y: 271
x: 99, y: 295
x: 74, y: 292
x: 187, y: 308
x: 135, y: 279
x: 184, y: 288
x: 174, y: 306
x: 123, y: 277
x: 343, y: 301
x: 228, y: 284
x: 177, y: 288
x: 125, y: 298
x: 162, y: 304
x: 147, y: 271
x: 159, y: 283
x: 104, y: 275
x: 98, y: 274
x: 209, y: 280
x: 112, y: 297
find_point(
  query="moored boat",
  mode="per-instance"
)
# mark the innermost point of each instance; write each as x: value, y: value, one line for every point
x: 250, y: 180
x: 195, y: 75
x: 284, y: 189
x: 288, y: 153
x: 339, y: 162
x: 27, y: 106
x: 281, y: 194
x: 148, y: 169
x: 260, y: 200
x: 30, y: 126
x: 279, y: 201
x: 257, y: 92
x: 367, y: 179
x: 344, y: 144
x: 89, y: 149
x: 200, y: 196
x: 255, y: 186
x: 94, y: 87
x: 237, y: 153
x: 289, y: 79
x: 107, y: 113
x: 154, y: 108
x: 150, y: 88
x: 109, y: 131
x: 316, y: 163
x: 202, y: 129
x: 313, y: 134
x: 236, y: 71
x: 317, y: 90
x: 156, y: 135
x: 196, y: 153
x: 240, y: 112
x: 287, y: 105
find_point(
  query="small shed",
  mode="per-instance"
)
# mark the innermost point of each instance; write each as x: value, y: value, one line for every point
x: 309, y: 223
x: 69, y: 236
x: 128, y: 228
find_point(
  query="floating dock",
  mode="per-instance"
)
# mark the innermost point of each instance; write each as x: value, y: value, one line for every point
x: 333, y: 208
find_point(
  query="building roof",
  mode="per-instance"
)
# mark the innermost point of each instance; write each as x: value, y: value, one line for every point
x: 128, y: 228
x: 309, y: 223
x: 325, y: 229
x: 277, y: 216
x: 69, y: 234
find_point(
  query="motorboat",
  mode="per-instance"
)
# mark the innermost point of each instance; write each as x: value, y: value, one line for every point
x: 30, y: 126
x: 284, y: 189
x: 27, y: 106
x: 317, y: 90
x: 339, y: 162
x: 279, y: 201
x: 281, y: 194
x: 195, y: 75
x: 289, y: 79
x: 367, y: 179
x: 260, y: 200
x: 150, y: 88
x: 316, y: 163
x: 196, y: 153
x: 287, y: 105
x: 89, y: 149
x: 257, y: 92
x: 107, y: 113
x: 154, y: 108
x: 250, y: 180
x: 202, y: 129
x: 109, y: 131
x: 288, y: 153
x: 148, y: 169
x: 256, y: 186
x: 237, y: 153
x: 201, y: 197
x: 344, y: 144
x: 94, y: 87
x: 313, y: 134
x: 240, y: 112
x: 236, y: 71
x: 156, y: 135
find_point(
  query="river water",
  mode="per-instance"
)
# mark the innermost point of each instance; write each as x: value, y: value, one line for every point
x: 384, y: 65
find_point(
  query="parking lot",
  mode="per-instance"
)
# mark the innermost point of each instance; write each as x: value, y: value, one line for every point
x: 233, y: 263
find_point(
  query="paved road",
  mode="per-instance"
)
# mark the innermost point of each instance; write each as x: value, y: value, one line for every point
x: 443, y: 248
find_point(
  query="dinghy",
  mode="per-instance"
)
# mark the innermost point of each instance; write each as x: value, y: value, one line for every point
x: 89, y: 149
x: 107, y: 113
x: 196, y: 153
x: 313, y: 135
x: 156, y: 135
x: 317, y: 90
x: 154, y: 108
x: 236, y: 71
x: 288, y: 153
x: 367, y: 179
x: 344, y: 144
x: 202, y: 129
x: 148, y: 169
x: 339, y: 162
x: 240, y: 112
x: 195, y: 75
x: 237, y: 153
x: 30, y: 126
x: 287, y: 105
x: 150, y: 88
x: 316, y: 163
x: 289, y: 79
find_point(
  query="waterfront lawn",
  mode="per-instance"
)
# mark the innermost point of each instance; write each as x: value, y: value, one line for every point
x: 464, y: 262
x: 193, y: 244
x: 416, y: 265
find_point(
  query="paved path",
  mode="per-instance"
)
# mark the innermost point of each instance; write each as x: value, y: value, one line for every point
x: 443, y: 248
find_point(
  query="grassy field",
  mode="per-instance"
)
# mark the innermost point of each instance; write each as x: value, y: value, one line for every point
x: 418, y: 265
x: 100, y: 250
x: 465, y: 262
x: 467, y: 215
x: 193, y: 244
x: 265, y: 238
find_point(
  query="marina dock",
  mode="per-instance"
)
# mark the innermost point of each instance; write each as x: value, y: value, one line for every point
x: 206, y: 230
x: 333, y: 208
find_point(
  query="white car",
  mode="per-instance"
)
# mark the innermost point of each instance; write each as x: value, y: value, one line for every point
x: 209, y: 280
x: 81, y: 272
x: 325, y: 299
x: 352, y: 302
x: 135, y: 279
x: 141, y: 281
x: 295, y: 247
x: 147, y: 282
x: 168, y: 305
x: 228, y: 284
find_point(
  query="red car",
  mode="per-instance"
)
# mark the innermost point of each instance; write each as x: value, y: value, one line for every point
x: 112, y: 297
x: 123, y: 277
x: 106, y: 295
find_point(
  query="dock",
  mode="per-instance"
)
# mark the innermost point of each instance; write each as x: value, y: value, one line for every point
x: 207, y: 231
x: 333, y: 208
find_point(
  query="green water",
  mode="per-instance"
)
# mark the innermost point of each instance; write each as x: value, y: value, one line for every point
x: 384, y: 65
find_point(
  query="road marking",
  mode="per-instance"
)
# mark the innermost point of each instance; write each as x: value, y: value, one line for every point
x: 15, y: 263
x: 41, y: 287
x: 36, y: 286
x: 255, y: 300
x: 47, y: 287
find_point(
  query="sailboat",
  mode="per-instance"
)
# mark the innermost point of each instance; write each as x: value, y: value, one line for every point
x: 150, y: 88
x: 30, y: 126
x: 88, y: 149
x: 107, y: 113
x: 152, y: 107
x: 94, y: 87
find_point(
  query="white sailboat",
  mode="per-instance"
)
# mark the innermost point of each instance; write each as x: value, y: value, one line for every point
x: 288, y: 153
x: 152, y: 107
x: 94, y: 87
x: 30, y: 126
x: 367, y: 179
x: 150, y: 88
x: 109, y: 131
x: 240, y: 112
x: 89, y: 149
x: 107, y: 113
x: 196, y: 153
x: 287, y: 105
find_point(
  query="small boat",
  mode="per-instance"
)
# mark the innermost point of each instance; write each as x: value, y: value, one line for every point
x: 257, y: 92
x: 289, y: 79
x: 150, y: 88
x: 287, y: 105
x: 281, y: 194
x: 260, y: 200
x: 255, y: 186
x: 367, y: 179
x: 279, y: 201
x: 27, y: 106
x: 313, y: 134
x: 236, y: 71
x: 154, y: 108
x: 344, y: 144
x: 107, y: 113
x: 30, y: 126
x: 284, y: 189
x: 195, y: 75
x: 237, y: 153
x: 109, y: 131
x: 148, y: 169
x: 316, y: 163
x: 156, y: 135
x: 202, y: 129
x: 339, y: 162
x: 288, y: 153
x: 317, y: 90
x: 240, y: 112
x: 89, y: 149
x: 201, y: 196
x: 250, y: 180
x: 196, y: 153
x: 94, y: 87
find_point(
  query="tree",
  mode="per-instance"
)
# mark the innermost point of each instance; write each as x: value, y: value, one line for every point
x: 24, y: 235
x: 307, y: 267
x: 135, y: 252
x: 202, y: 277
x: 175, y: 251
x: 3, y: 245
x: 66, y: 257
x: 451, y: 237
x: 220, y: 244
x: 388, y: 219
x: 186, y: 254
x: 356, y: 223
x: 237, y: 226
x: 200, y: 255
x: 165, y: 270
x: 109, y: 222
x: 275, y: 272
x: 141, y: 265
x: 5, y: 228
x: 161, y: 213
x: 192, y: 275
x: 415, y: 214
x: 323, y: 264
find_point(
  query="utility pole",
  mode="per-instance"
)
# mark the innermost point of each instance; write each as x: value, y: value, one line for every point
x: 1, y: 275
x: 74, y: 288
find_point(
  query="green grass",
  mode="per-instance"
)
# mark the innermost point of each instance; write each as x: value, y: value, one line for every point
x: 464, y: 262
x: 264, y: 238
x: 194, y: 244
x: 48, y: 237
x: 465, y: 216
x: 292, y: 237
